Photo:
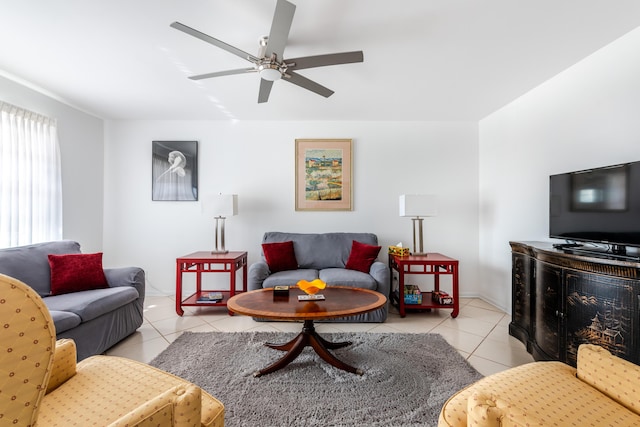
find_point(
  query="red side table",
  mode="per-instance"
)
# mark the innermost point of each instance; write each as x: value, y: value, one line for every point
x: 206, y: 262
x: 430, y: 263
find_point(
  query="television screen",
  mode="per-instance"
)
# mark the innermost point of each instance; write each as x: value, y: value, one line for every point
x: 596, y: 205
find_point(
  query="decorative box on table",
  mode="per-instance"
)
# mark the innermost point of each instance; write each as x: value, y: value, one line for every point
x: 412, y: 294
x: 398, y: 250
x: 441, y: 297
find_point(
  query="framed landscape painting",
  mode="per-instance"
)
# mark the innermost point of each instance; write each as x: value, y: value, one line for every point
x: 323, y: 175
x: 174, y: 170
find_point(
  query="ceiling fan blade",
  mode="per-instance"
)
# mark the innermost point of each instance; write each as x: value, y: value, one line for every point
x: 305, y: 83
x: 324, y: 60
x: 280, y: 26
x: 265, y: 90
x: 223, y: 73
x: 222, y: 45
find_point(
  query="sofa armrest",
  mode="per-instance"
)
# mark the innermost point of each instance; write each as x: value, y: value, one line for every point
x: 126, y: 276
x: 258, y: 272
x: 380, y: 272
x: 64, y: 363
x: 178, y: 406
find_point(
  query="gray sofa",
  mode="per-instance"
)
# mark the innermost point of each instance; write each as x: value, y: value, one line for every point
x: 324, y: 256
x: 95, y: 319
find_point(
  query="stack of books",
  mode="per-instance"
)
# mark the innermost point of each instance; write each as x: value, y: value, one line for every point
x: 412, y: 294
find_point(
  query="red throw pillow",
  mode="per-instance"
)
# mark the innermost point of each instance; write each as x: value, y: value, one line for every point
x: 362, y: 256
x: 76, y: 272
x: 280, y: 256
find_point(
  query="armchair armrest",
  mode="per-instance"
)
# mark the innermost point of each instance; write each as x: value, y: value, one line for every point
x: 178, y: 406
x: 488, y: 410
x: 609, y: 374
x: 64, y: 363
x: 258, y: 272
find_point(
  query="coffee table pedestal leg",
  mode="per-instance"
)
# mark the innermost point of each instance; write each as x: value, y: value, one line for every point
x: 308, y: 337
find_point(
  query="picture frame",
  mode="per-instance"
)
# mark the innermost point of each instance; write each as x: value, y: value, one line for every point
x: 323, y: 175
x: 174, y: 171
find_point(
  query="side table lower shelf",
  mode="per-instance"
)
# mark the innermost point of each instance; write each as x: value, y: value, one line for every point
x: 192, y: 300
x: 427, y: 302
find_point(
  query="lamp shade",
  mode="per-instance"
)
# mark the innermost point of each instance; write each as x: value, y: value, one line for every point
x: 418, y: 205
x: 221, y: 205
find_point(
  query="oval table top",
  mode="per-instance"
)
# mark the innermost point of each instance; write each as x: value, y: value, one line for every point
x: 340, y: 301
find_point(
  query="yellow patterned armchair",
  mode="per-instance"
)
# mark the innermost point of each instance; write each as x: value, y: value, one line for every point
x: 41, y: 385
x: 603, y: 391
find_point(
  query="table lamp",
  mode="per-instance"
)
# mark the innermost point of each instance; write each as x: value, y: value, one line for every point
x: 417, y: 206
x: 220, y: 206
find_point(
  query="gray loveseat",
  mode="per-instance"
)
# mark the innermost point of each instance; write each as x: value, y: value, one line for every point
x: 95, y: 319
x: 324, y: 256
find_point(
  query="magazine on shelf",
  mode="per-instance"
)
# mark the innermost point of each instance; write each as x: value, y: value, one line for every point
x: 210, y: 297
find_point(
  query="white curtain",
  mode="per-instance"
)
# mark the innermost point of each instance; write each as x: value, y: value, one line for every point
x: 30, y: 178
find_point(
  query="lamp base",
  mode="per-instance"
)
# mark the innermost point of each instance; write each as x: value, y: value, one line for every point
x: 219, y: 236
x: 418, y: 248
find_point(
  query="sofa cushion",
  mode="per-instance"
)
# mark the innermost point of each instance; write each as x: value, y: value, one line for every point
x: 345, y: 277
x: 280, y: 256
x: 76, y: 272
x: 362, y: 256
x: 322, y: 250
x: 290, y: 277
x: 30, y: 264
x: 91, y: 304
x: 107, y: 388
x: 64, y: 320
x: 613, y: 376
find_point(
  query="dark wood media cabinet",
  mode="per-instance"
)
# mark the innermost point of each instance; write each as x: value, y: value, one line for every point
x: 562, y: 300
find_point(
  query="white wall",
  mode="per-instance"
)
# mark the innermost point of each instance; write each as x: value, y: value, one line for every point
x: 587, y: 116
x: 256, y: 161
x: 81, y: 139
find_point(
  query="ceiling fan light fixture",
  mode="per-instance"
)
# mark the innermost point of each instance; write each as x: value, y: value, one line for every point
x: 270, y: 72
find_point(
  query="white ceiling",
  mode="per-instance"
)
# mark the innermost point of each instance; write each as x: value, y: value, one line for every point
x: 423, y: 59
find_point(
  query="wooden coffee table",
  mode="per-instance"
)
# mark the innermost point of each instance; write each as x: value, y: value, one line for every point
x: 340, y: 301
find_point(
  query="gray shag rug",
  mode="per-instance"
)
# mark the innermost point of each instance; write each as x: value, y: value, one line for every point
x: 407, y: 378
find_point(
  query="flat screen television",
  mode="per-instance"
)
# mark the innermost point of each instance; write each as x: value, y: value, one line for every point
x: 600, y: 205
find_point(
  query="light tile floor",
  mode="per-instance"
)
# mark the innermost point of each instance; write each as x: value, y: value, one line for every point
x: 479, y: 333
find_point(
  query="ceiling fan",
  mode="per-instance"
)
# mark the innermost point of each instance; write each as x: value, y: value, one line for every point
x: 269, y: 62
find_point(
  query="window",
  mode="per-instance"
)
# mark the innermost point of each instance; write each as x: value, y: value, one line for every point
x: 30, y: 178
